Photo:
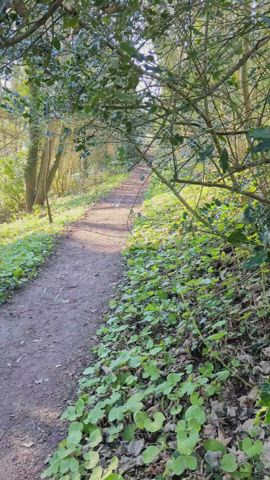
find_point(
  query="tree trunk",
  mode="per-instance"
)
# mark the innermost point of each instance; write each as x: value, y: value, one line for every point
x: 46, y: 174
x: 58, y: 157
x: 30, y: 173
x: 245, y: 87
x: 244, y: 69
x: 43, y: 171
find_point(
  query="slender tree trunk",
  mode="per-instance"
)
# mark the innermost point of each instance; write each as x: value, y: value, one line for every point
x: 43, y: 171
x: 244, y: 84
x: 58, y: 157
x: 244, y: 71
x: 46, y: 174
x: 30, y: 174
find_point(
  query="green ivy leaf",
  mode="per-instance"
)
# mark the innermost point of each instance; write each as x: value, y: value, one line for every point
x: 176, y: 409
x: 191, y: 462
x: 140, y: 419
x: 69, y: 414
x: 113, y: 432
x: 134, y: 404
x: 195, y: 399
x: 117, y: 413
x: 217, y: 336
x: 228, y: 463
x: 128, y: 433
x: 195, y: 413
x: 114, y: 476
x: 186, y: 443
x: 75, y: 432
x: 91, y: 459
x: 74, y: 465
x: 222, y: 375
x: 156, y: 424
x: 95, y: 438
x: 174, y: 378
x: 214, y: 445
x: 252, y: 448
x: 95, y: 415
x: 151, y: 370
x: 96, y: 474
x: 265, y: 395
x: 112, y: 466
x: 149, y: 455
x: 178, y: 465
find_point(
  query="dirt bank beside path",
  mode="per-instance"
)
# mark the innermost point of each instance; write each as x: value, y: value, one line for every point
x: 46, y: 331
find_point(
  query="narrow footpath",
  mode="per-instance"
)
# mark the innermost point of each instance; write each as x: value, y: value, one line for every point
x: 48, y: 327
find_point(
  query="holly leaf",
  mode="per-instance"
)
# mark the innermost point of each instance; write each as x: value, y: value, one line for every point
x: 262, y: 146
x: 224, y: 160
x: 237, y: 237
x: 260, y: 133
x: 71, y: 22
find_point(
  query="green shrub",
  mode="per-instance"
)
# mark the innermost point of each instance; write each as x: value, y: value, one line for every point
x: 11, y: 186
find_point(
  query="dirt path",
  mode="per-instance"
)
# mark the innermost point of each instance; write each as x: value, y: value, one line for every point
x: 47, y: 328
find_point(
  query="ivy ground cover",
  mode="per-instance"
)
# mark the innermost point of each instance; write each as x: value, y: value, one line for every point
x: 180, y: 385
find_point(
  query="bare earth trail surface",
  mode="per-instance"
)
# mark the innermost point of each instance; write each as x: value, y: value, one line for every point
x: 47, y: 329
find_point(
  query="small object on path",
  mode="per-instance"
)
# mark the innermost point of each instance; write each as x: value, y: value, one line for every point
x: 28, y: 444
x: 41, y: 380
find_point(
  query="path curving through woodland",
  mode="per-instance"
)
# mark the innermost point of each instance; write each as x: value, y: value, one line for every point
x: 48, y: 327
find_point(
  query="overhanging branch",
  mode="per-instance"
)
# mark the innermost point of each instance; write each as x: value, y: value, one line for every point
x: 224, y: 187
x: 19, y: 38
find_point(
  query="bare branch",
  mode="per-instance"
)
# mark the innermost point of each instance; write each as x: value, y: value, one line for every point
x: 225, y: 187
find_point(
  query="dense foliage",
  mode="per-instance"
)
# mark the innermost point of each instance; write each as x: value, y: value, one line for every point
x: 174, y: 390
x: 180, y: 84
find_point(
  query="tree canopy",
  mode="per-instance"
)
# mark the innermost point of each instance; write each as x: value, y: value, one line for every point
x: 184, y: 84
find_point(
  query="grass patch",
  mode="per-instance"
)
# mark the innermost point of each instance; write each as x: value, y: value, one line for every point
x: 27, y: 241
x: 174, y: 390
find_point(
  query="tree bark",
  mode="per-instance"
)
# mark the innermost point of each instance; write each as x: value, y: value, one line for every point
x: 46, y: 173
x: 58, y: 157
x: 43, y: 171
x: 30, y: 173
x: 245, y: 68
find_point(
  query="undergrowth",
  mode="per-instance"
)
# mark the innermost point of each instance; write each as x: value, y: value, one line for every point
x: 27, y: 241
x: 175, y: 388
